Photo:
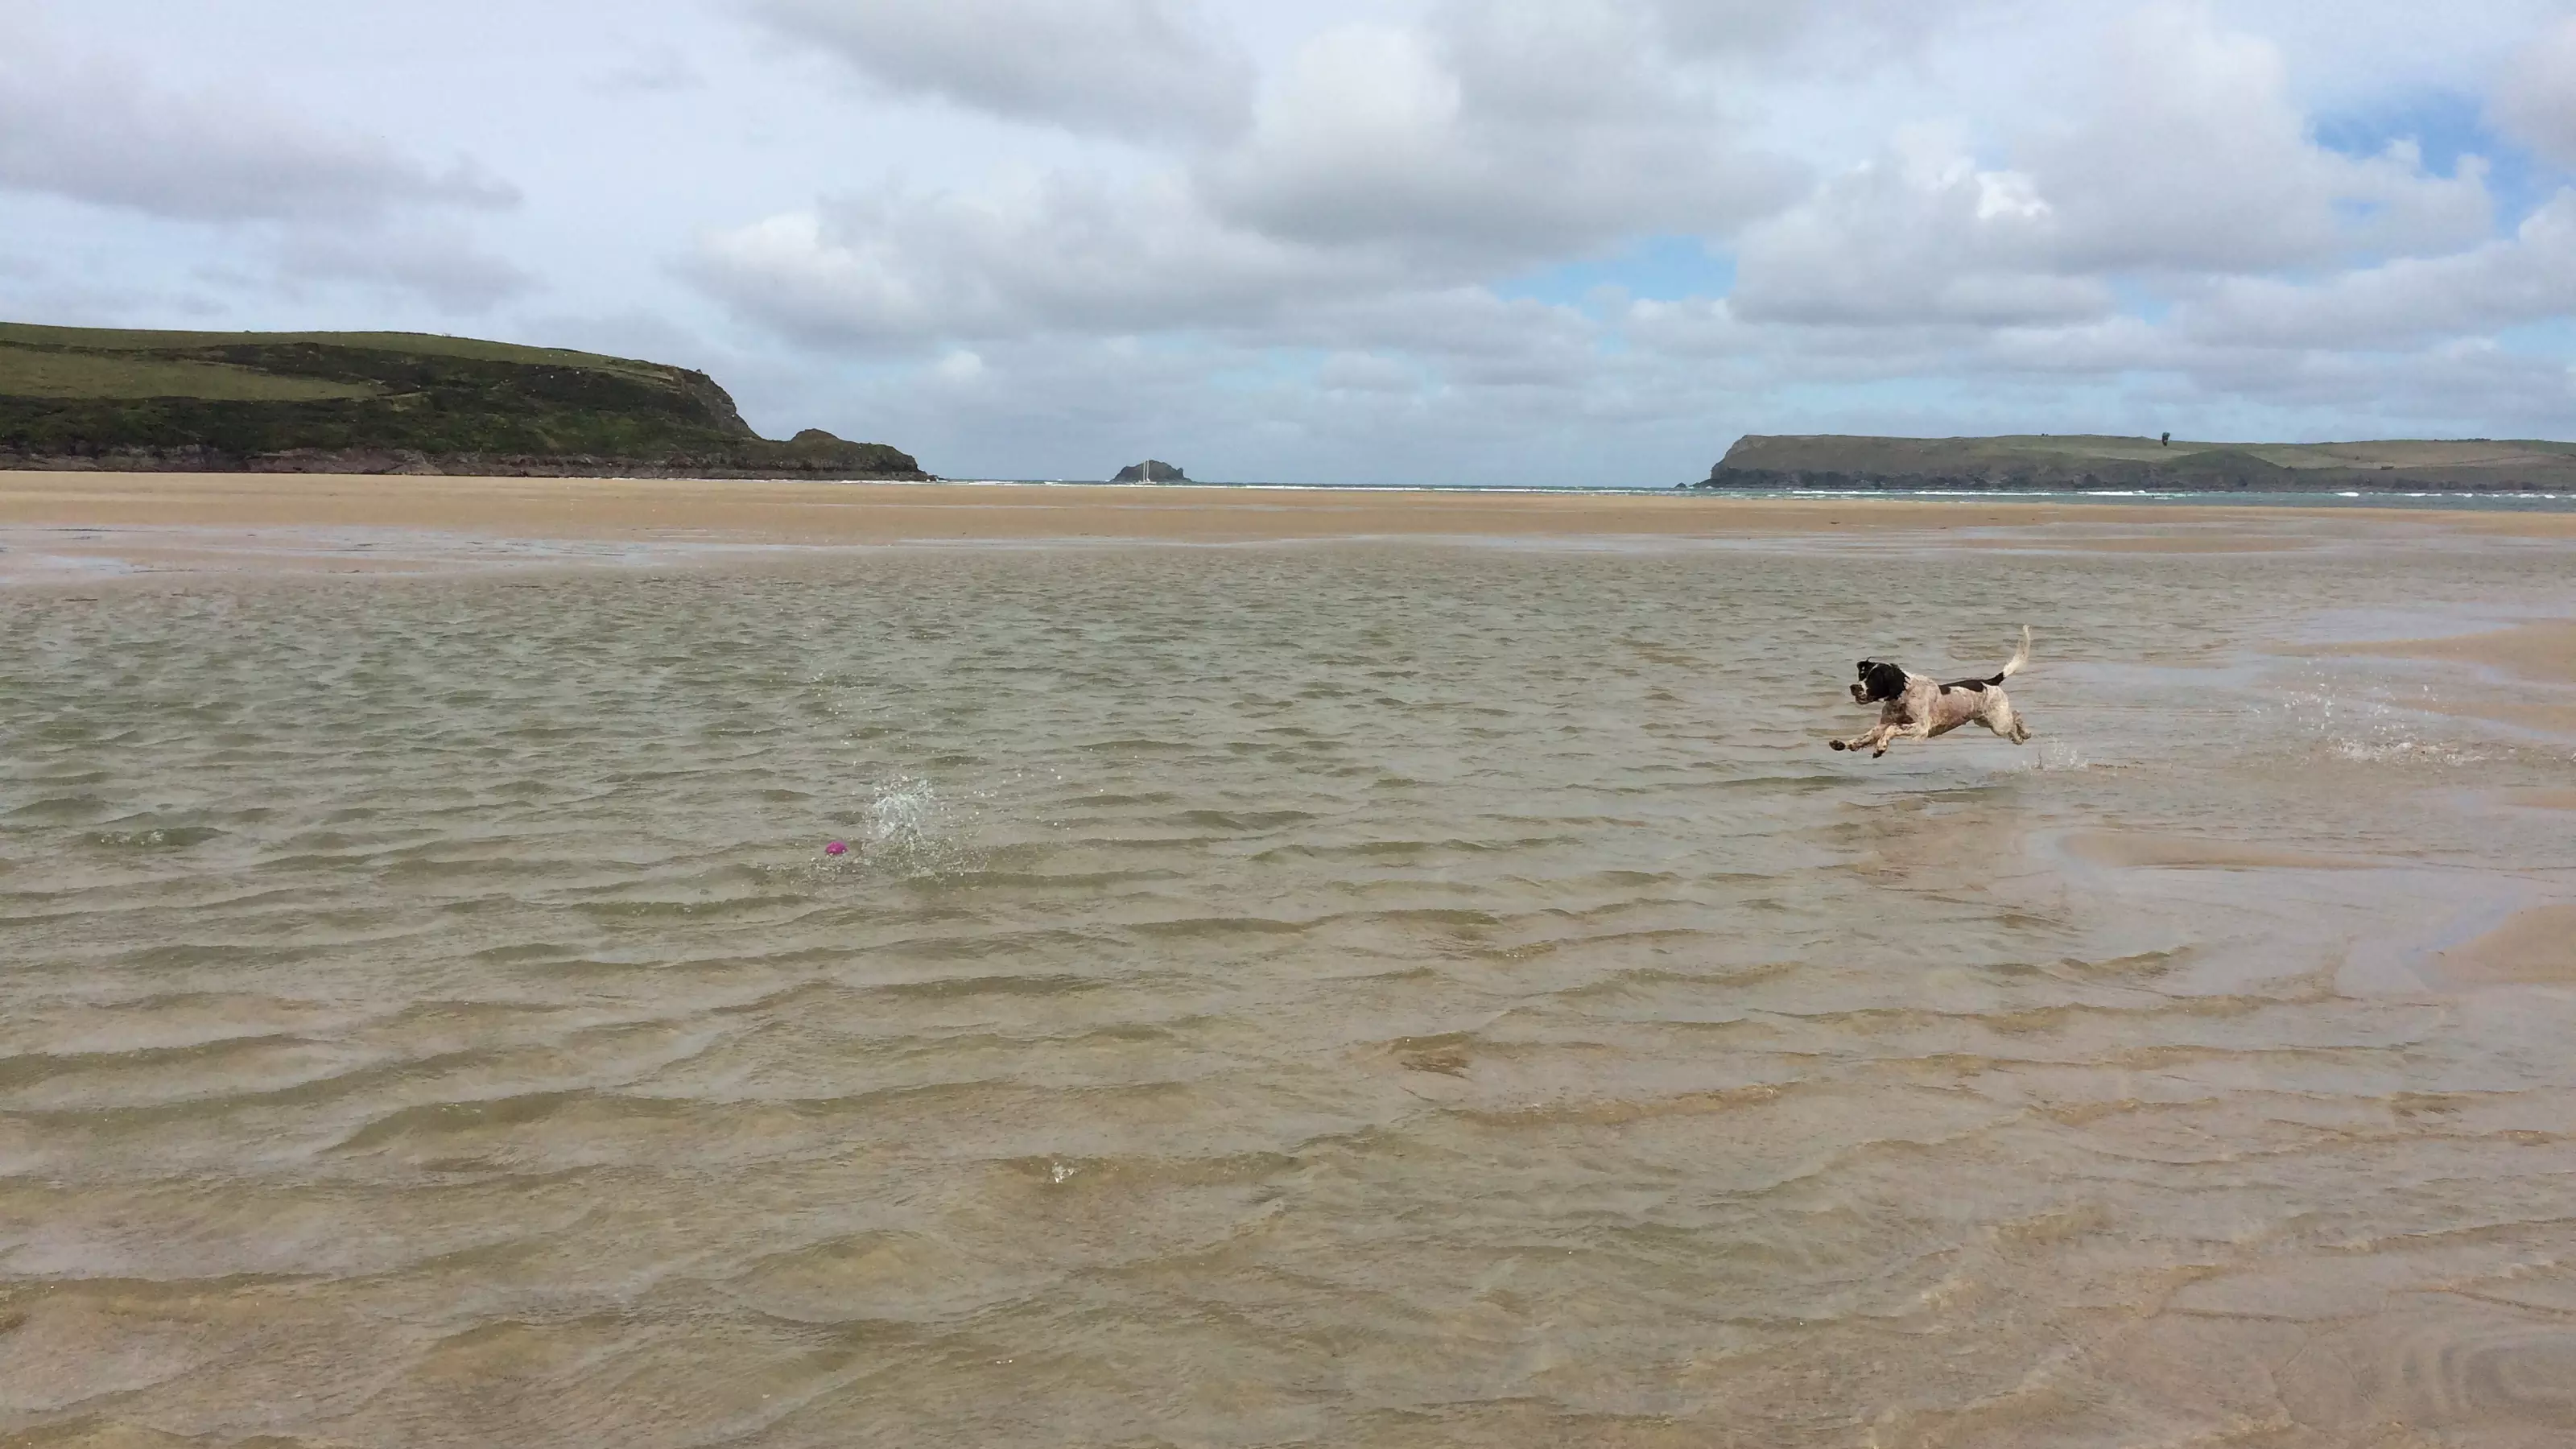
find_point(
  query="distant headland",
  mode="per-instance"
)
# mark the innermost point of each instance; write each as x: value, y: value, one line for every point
x: 2050, y: 463
x: 1152, y: 470
x: 383, y: 402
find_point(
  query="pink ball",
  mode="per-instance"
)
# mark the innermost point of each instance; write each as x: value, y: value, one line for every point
x: 836, y: 848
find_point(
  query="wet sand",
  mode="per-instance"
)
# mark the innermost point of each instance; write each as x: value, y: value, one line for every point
x: 2536, y: 946
x: 2526, y: 673
x: 201, y: 510
x: 2142, y: 851
x: 2543, y: 650
x: 1384, y: 993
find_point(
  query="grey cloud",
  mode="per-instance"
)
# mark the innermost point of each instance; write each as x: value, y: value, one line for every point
x: 1046, y: 254
x: 1384, y: 162
x: 2536, y: 101
x: 2528, y: 277
x: 1123, y: 67
x: 437, y: 265
x: 1835, y: 35
x: 1392, y: 173
x: 2436, y: 383
x: 656, y: 71
x: 1367, y: 372
x: 1460, y: 332
x: 98, y: 134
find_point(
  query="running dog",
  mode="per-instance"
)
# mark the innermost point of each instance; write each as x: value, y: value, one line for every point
x: 1913, y: 707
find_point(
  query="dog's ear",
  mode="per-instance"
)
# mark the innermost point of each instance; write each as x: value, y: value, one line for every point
x: 1866, y: 666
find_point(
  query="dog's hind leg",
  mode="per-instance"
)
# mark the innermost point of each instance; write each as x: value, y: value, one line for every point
x: 1999, y: 716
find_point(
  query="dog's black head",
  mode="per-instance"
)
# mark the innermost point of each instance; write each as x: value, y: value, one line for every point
x: 1879, y: 682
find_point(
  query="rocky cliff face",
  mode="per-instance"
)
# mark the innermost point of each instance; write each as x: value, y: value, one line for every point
x: 1152, y: 470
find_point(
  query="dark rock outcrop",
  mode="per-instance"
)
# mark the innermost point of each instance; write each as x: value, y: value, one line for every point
x: 1152, y: 470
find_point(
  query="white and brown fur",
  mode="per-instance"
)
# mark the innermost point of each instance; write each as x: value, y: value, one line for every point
x: 1917, y: 707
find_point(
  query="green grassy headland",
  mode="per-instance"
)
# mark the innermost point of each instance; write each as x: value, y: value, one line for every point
x: 381, y: 402
x: 2056, y: 463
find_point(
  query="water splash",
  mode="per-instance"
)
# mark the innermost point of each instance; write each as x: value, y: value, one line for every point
x: 2369, y: 731
x: 909, y: 826
x: 2056, y: 755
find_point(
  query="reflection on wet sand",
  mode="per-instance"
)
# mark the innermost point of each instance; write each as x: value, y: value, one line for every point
x: 1368, y: 994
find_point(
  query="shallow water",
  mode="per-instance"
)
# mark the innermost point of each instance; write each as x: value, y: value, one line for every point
x: 1356, y: 995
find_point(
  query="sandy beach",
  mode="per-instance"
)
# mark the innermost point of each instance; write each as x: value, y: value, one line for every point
x: 1415, y: 977
x: 770, y: 514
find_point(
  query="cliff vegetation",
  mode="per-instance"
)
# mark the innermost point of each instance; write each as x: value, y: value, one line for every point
x: 382, y: 403
x: 2053, y: 463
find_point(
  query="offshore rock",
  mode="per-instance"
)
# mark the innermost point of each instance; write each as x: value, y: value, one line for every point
x: 1152, y: 470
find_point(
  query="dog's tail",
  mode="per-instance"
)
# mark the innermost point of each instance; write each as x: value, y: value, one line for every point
x: 2019, y: 661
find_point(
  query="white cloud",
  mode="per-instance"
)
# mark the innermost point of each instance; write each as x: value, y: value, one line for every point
x: 1033, y: 253
x: 2527, y: 278
x: 2191, y: 155
x: 99, y: 132
x: 322, y: 205
x: 2537, y: 100
x: 1385, y: 162
x: 1518, y: 132
x: 1919, y: 235
x: 2187, y: 160
x: 1350, y: 238
x: 1124, y: 67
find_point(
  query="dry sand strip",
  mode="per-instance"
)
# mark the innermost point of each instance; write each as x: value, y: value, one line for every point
x: 860, y: 513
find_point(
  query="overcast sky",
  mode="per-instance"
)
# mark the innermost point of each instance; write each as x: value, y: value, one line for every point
x: 1572, y: 241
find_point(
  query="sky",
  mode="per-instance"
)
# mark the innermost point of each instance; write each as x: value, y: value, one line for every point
x: 1361, y: 241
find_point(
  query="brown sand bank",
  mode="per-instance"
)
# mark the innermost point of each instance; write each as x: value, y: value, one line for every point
x: 2537, y: 946
x: 844, y: 513
x: 2141, y: 850
x: 2543, y: 651
x: 2539, y: 657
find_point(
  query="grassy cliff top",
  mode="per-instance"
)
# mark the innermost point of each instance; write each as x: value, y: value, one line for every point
x: 138, y: 347
x: 88, y: 393
x: 2054, y: 458
x: 1857, y: 453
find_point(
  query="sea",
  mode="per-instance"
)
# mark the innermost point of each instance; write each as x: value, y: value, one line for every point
x: 2455, y: 501
x: 1371, y: 993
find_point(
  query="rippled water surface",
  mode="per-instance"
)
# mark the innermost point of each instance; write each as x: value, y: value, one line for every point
x: 1356, y: 995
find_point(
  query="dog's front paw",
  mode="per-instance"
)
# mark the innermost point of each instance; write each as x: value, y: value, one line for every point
x: 1874, y: 754
x: 1837, y: 744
